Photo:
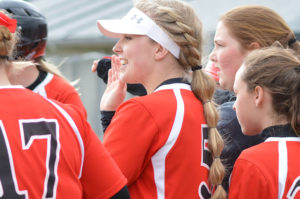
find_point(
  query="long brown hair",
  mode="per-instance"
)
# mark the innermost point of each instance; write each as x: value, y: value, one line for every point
x: 259, y: 24
x: 277, y: 70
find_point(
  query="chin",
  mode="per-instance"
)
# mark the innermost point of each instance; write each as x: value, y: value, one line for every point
x: 126, y: 78
x: 224, y: 86
x: 250, y: 132
x: 222, y: 83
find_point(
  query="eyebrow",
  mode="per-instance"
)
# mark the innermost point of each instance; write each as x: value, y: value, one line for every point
x: 219, y: 41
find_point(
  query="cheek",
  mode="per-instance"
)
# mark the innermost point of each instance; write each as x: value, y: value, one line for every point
x: 246, y: 116
x: 242, y: 118
x: 237, y: 105
x: 240, y: 109
x: 137, y: 54
x: 230, y: 59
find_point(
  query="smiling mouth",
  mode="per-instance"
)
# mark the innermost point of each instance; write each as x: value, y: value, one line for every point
x: 124, y: 61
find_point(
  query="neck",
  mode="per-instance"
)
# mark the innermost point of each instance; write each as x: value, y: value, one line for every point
x: 269, y: 117
x: 274, y: 121
x: 3, y: 76
x: 23, y: 73
x: 161, y: 73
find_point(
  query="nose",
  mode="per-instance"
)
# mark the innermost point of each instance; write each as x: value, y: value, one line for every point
x: 212, y: 56
x: 117, y: 48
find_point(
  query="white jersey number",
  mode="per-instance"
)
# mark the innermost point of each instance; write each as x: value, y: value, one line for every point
x: 30, y: 130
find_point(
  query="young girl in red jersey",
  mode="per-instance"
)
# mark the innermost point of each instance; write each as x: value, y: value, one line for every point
x: 40, y: 76
x: 48, y: 149
x: 267, y: 87
x: 166, y: 142
x: 240, y: 31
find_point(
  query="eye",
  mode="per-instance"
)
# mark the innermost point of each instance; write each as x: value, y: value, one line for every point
x: 219, y: 44
x: 127, y: 37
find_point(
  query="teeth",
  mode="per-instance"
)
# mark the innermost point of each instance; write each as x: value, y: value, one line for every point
x: 124, y: 61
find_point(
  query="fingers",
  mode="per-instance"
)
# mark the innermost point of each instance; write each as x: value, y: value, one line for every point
x: 110, y: 74
x: 114, y: 72
x: 94, y: 66
x: 115, y: 65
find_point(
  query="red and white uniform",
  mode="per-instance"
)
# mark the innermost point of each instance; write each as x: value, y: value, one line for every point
x: 48, y: 150
x: 268, y: 170
x: 159, y: 141
x: 55, y: 87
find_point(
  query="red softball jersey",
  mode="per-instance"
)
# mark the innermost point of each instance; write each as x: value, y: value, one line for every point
x: 159, y: 141
x: 268, y: 170
x: 55, y: 87
x: 48, y: 150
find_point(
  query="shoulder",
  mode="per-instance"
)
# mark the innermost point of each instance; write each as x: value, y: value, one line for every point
x: 157, y: 103
x: 69, y: 110
x: 59, y: 81
x: 152, y: 102
x: 262, y: 156
x: 249, y: 175
x: 61, y: 90
x: 137, y: 107
x: 166, y: 98
x: 258, y: 166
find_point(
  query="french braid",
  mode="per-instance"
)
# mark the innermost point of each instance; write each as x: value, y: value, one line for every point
x: 181, y: 23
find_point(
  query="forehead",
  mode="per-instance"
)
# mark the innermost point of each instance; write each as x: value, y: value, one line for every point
x: 223, y: 33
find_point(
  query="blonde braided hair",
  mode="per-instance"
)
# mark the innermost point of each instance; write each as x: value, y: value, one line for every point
x: 181, y: 23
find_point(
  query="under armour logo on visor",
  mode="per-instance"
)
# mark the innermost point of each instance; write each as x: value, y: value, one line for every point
x: 138, y: 20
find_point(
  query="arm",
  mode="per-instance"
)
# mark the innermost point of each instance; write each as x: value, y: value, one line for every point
x: 101, y: 177
x: 130, y: 138
x: 115, y: 91
x: 122, y: 194
x: 106, y: 117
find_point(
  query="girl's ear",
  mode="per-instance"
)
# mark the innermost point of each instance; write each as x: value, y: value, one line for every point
x: 258, y: 95
x: 254, y: 45
x: 160, y: 52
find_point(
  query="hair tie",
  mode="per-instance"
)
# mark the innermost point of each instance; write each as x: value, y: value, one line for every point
x: 196, y: 67
x: 291, y: 41
x: 4, y: 57
x: 206, y: 101
x: 217, y: 157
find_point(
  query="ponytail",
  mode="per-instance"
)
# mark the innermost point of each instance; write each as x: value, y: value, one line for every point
x: 203, y: 87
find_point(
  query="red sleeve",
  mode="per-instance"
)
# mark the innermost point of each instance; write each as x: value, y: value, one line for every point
x: 248, y: 182
x: 101, y: 177
x: 62, y: 91
x: 129, y: 137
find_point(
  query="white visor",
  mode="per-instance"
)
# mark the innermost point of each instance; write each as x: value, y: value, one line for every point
x: 138, y: 23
